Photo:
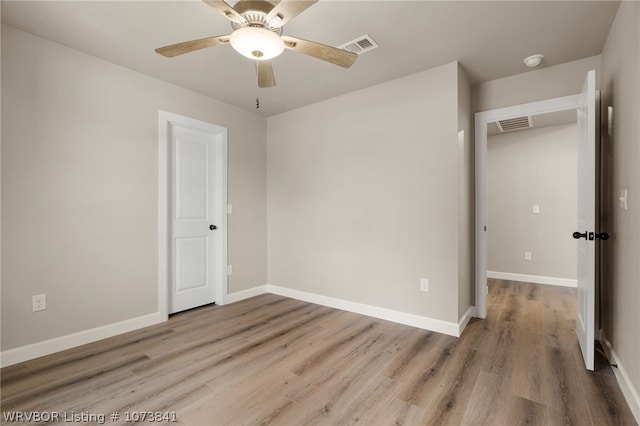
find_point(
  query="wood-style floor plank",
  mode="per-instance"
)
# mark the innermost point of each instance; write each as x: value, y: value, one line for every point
x: 274, y: 360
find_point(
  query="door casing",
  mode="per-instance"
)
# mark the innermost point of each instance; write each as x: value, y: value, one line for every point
x: 481, y: 120
x: 165, y: 121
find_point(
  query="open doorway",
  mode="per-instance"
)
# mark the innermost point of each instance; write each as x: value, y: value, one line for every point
x: 532, y: 198
x: 482, y: 122
x: 587, y: 208
x: 531, y: 181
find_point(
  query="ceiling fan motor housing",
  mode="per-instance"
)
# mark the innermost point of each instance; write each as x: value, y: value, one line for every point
x: 255, y: 12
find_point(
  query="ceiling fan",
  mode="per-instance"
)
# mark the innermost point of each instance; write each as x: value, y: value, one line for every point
x: 257, y: 34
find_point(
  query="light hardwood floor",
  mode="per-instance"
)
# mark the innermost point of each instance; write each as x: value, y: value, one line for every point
x: 273, y: 360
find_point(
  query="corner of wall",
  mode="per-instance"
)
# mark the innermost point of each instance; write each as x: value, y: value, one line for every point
x: 466, y: 214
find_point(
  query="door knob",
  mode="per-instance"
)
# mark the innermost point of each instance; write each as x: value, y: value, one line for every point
x: 591, y: 235
x: 213, y: 227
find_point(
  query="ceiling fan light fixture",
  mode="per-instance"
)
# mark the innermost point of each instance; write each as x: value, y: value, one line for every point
x: 257, y: 43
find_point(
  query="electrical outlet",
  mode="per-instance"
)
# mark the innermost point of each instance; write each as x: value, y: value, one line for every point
x: 229, y: 209
x: 229, y: 269
x: 527, y: 255
x: 536, y: 208
x: 424, y: 284
x: 39, y: 302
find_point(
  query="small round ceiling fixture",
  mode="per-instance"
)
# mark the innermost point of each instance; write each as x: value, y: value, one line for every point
x: 533, y: 60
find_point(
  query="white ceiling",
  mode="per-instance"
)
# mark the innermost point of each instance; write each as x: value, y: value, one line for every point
x: 489, y: 38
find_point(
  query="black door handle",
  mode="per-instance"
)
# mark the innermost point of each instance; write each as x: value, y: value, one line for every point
x: 213, y: 227
x: 591, y: 235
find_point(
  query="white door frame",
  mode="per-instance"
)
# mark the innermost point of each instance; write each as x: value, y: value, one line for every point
x: 481, y: 121
x: 166, y: 120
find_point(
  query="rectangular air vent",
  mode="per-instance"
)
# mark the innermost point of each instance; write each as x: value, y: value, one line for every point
x: 517, y: 123
x: 360, y: 45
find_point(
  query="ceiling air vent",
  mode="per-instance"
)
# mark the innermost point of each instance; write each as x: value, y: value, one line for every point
x: 517, y: 123
x: 360, y: 45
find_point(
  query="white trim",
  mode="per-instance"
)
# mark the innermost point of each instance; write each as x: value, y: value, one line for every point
x: 28, y: 352
x: 165, y: 120
x: 426, y: 323
x: 536, y: 279
x: 163, y: 215
x: 462, y: 324
x: 628, y: 390
x: 47, y: 347
x: 246, y: 294
x: 481, y: 121
x: 360, y: 308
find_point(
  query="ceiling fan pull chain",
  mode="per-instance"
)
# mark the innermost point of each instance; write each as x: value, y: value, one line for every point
x: 257, y: 103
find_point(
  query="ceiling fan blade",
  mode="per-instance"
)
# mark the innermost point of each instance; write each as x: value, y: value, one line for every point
x: 191, y: 46
x: 265, y: 74
x: 229, y: 12
x: 286, y: 10
x: 336, y: 56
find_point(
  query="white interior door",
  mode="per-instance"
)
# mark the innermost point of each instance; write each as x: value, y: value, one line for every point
x: 194, y: 225
x: 587, y: 227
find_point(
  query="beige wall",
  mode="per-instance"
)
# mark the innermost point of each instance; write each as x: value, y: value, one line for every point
x: 363, y: 196
x: 540, y: 84
x: 79, y: 188
x: 466, y: 199
x: 621, y: 278
x: 536, y: 166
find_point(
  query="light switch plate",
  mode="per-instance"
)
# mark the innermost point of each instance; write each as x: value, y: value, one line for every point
x: 424, y: 284
x: 623, y: 199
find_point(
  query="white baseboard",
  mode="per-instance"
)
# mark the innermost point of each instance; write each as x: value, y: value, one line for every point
x: 628, y: 390
x: 28, y: 352
x: 413, y: 320
x: 465, y: 319
x: 246, y: 294
x: 47, y: 347
x: 426, y: 323
x: 536, y: 279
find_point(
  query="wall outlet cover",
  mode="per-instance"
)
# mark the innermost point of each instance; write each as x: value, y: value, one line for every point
x: 39, y: 302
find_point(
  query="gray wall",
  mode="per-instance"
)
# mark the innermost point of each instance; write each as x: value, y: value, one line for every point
x: 466, y: 199
x: 79, y: 188
x: 621, y: 270
x: 537, y: 85
x: 536, y: 166
x: 363, y: 196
